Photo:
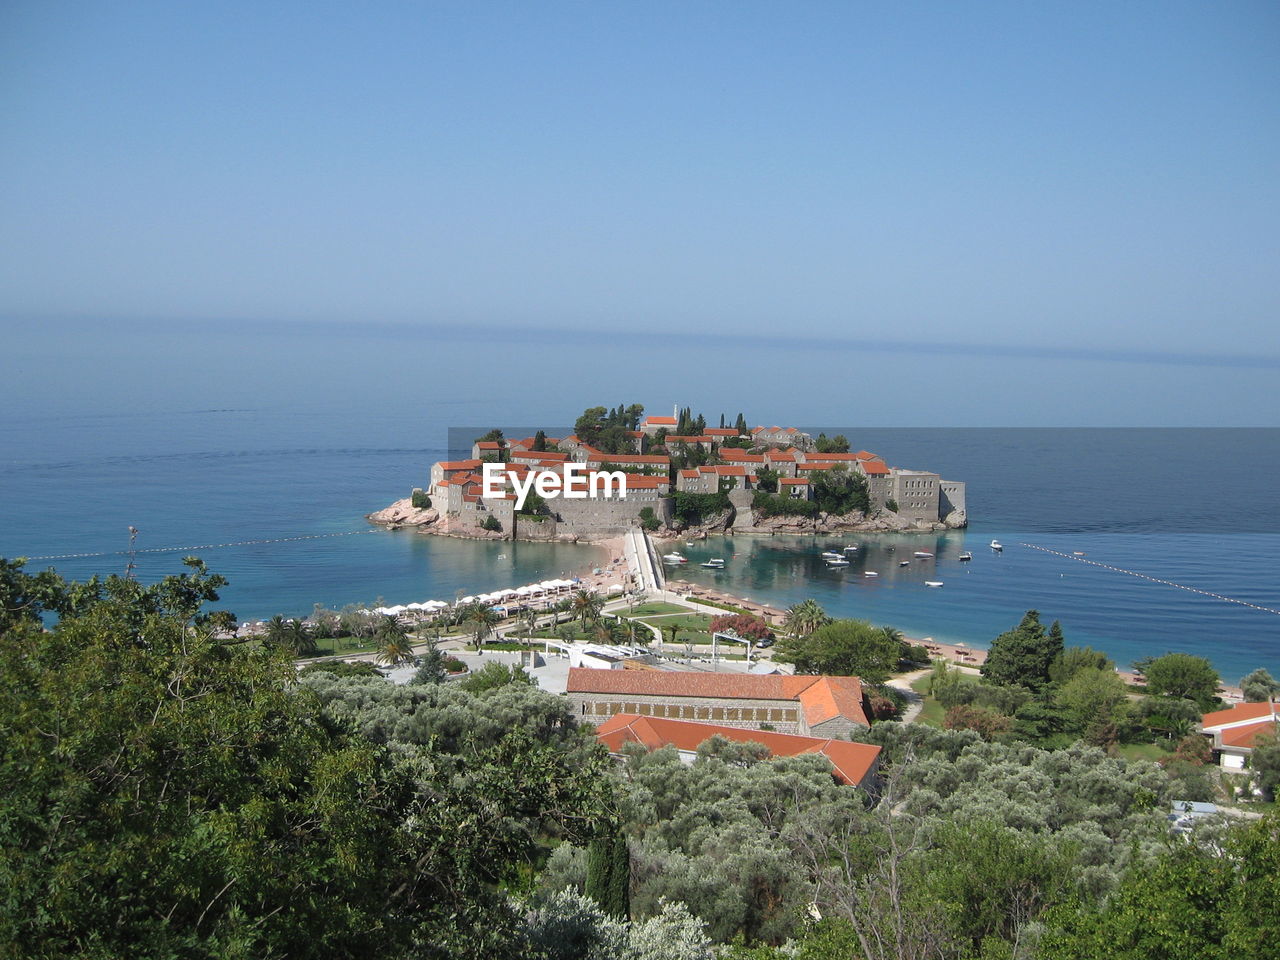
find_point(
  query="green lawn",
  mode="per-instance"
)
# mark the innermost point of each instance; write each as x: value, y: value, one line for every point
x: 652, y: 609
x: 693, y: 627
x: 340, y: 646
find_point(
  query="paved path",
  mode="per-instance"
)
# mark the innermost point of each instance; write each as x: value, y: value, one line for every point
x: 915, y: 702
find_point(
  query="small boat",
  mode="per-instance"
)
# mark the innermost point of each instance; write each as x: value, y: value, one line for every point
x: 831, y: 555
x: 966, y: 557
x: 923, y: 555
x: 904, y: 563
x: 933, y: 583
x: 870, y: 573
x: 838, y: 563
x: 674, y: 558
x: 715, y: 563
x: 1077, y: 553
x: 856, y: 546
x: 502, y: 556
x: 997, y: 546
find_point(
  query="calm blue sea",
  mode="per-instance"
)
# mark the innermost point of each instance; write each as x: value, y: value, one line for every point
x: 301, y: 439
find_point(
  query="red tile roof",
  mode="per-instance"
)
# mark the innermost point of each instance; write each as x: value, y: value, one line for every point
x: 595, y: 456
x: 864, y: 455
x: 661, y: 421
x: 721, y: 432
x: 851, y: 762
x: 548, y: 455
x: 636, y: 481
x: 832, y: 457
x: 1247, y: 735
x: 488, y: 445
x: 874, y: 468
x: 797, y: 482
x: 815, y: 466
x: 459, y: 464
x: 730, y: 470
x: 740, y: 456
x: 689, y: 474
x: 1241, y: 711
x: 821, y: 698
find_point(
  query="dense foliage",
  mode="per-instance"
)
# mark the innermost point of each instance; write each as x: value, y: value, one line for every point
x: 845, y: 648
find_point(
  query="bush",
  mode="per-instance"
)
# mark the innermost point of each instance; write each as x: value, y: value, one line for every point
x: 689, y: 509
x: 891, y: 505
x: 420, y: 500
x: 773, y: 505
x: 987, y: 723
x: 648, y: 519
x: 341, y: 668
x: 490, y: 522
x: 743, y: 624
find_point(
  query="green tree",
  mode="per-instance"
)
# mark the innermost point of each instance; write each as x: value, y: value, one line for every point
x: 586, y: 607
x: 843, y: 648
x: 493, y: 675
x: 767, y: 480
x: 1074, y: 659
x: 1024, y: 655
x: 609, y: 874
x: 482, y: 619
x: 540, y: 442
x: 1259, y: 686
x: 1181, y: 675
x: 804, y: 618
x: 394, y: 647
x: 1093, y: 694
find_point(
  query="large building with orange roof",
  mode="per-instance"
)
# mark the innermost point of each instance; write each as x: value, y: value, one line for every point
x: 853, y: 764
x: 804, y: 705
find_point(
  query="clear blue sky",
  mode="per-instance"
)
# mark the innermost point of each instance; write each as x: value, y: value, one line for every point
x: 1083, y: 179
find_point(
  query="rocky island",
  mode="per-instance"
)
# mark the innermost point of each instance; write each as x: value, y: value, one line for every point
x: 675, y: 476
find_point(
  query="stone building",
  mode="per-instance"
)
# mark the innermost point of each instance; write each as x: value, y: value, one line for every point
x: 811, y: 706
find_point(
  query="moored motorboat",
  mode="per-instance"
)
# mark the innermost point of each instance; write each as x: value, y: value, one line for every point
x: 870, y: 573
x: 966, y: 557
x: 923, y: 555
x: 715, y: 563
x: 674, y: 558
x: 904, y: 563
x: 832, y: 555
x: 933, y: 583
x: 838, y: 563
x: 997, y: 546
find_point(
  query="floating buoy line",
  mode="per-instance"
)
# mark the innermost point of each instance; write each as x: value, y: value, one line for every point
x: 1144, y: 576
x: 203, y: 546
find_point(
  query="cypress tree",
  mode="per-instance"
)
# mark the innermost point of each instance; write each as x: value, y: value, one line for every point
x: 609, y: 874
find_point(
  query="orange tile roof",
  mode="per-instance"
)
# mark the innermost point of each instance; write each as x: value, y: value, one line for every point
x: 829, y: 696
x: 459, y: 464
x: 797, y: 482
x: 780, y: 456
x: 721, y: 432
x: 851, y: 762
x: 730, y: 470
x: 641, y: 482
x: 548, y: 455
x: 661, y: 421
x: 832, y: 457
x: 864, y: 455
x: 1247, y: 735
x: 488, y: 445
x: 689, y: 474
x: 741, y: 456
x: 815, y: 466
x: 595, y: 456
x: 1241, y: 711
x: 874, y: 468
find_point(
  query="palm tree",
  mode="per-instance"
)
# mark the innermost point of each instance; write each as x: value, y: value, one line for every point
x: 277, y: 632
x: 804, y: 618
x: 482, y: 619
x: 393, y: 642
x: 586, y: 608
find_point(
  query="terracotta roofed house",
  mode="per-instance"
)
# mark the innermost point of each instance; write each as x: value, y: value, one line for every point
x: 807, y: 705
x: 1234, y: 731
x: 853, y: 764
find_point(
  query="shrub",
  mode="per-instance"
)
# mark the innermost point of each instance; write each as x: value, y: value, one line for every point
x: 341, y: 668
x: 420, y: 500
x: 891, y: 505
x: 490, y: 522
x: 454, y: 665
x: 773, y: 505
x: 648, y: 519
x: 743, y: 624
x: 689, y: 509
x: 987, y: 723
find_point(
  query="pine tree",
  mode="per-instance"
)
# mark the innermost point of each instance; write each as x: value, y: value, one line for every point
x: 1024, y: 654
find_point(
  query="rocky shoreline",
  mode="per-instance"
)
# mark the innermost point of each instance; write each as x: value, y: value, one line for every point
x: 403, y: 514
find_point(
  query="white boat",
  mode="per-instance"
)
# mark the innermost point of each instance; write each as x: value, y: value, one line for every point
x: 1077, y: 553
x: 904, y: 563
x: 715, y: 563
x: 966, y: 556
x: 674, y: 558
x: 870, y: 573
x: 923, y: 555
x: 997, y: 546
x: 854, y: 547
x: 832, y: 555
x: 933, y: 583
x: 838, y: 563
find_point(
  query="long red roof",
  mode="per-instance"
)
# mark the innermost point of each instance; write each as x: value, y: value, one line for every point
x: 851, y: 762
